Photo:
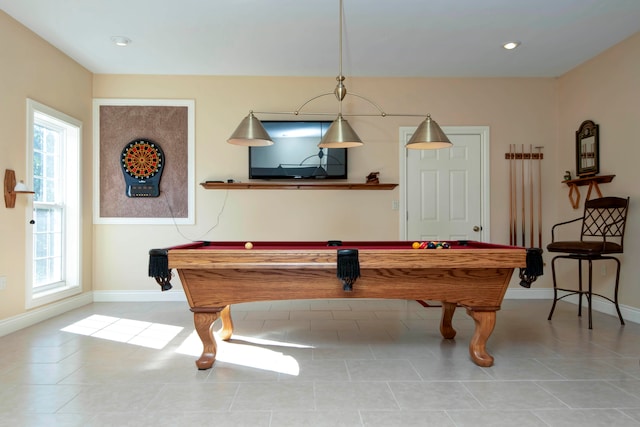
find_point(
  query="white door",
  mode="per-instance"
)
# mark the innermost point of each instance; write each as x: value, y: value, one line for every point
x: 445, y: 191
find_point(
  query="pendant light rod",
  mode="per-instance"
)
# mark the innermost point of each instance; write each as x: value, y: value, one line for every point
x: 340, y: 90
x: 324, y: 113
x: 381, y: 111
x: 340, y: 134
x: 340, y: 41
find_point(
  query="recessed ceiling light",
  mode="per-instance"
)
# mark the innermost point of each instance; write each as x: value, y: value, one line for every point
x: 511, y: 45
x: 121, y: 41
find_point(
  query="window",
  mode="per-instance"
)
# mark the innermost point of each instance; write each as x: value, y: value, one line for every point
x: 54, y: 243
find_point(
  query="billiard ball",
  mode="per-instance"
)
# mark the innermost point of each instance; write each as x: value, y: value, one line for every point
x: 445, y: 245
x: 248, y: 245
x: 415, y: 245
x: 423, y: 245
x: 431, y: 245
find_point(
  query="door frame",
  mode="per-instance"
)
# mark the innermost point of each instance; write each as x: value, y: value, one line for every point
x: 485, y: 172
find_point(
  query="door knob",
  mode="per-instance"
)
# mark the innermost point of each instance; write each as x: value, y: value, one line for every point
x: 477, y: 228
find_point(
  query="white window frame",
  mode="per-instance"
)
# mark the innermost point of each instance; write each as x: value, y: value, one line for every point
x: 72, y: 222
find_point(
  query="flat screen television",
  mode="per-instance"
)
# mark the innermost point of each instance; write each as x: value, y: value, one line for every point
x: 295, y: 153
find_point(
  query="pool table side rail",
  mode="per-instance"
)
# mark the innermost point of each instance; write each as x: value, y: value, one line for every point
x: 327, y: 259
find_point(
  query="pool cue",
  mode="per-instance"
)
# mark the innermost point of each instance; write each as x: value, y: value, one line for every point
x: 523, y: 195
x: 539, y: 148
x: 514, y: 202
x: 510, y: 198
x: 514, y: 166
x: 531, y: 195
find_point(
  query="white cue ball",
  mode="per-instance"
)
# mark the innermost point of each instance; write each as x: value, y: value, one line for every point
x: 248, y: 245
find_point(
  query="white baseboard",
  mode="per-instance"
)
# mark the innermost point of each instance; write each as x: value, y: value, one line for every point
x: 139, y: 296
x: 532, y: 293
x: 41, y: 314
x: 631, y: 314
x: 32, y: 317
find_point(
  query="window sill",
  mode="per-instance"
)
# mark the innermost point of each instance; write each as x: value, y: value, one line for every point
x: 51, y: 295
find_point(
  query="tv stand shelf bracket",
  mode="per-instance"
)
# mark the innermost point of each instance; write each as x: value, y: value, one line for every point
x: 591, y: 181
x: 295, y: 186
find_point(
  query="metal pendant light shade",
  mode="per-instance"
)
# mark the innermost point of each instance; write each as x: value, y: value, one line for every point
x: 340, y: 135
x: 250, y: 133
x: 428, y: 136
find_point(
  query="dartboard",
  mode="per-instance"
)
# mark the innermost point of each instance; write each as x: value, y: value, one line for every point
x: 142, y: 159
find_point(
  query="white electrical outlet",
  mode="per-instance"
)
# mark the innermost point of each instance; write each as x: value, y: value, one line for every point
x: 3, y: 282
x: 395, y: 205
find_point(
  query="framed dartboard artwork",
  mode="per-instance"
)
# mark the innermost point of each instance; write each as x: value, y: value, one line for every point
x: 143, y: 161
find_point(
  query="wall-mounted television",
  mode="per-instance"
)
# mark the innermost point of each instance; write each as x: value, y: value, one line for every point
x: 295, y: 153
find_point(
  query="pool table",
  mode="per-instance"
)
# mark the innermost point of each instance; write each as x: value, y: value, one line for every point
x: 214, y: 275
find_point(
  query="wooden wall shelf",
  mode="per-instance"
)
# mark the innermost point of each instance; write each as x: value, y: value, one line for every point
x: 294, y: 186
x: 591, y: 181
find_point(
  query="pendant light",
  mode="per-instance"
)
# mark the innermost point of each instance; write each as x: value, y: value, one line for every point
x: 340, y: 134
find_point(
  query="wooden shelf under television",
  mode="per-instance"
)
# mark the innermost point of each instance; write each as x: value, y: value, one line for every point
x: 209, y: 185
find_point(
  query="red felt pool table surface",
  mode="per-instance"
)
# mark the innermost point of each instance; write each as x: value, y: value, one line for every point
x: 325, y: 245
x: 473, y: 275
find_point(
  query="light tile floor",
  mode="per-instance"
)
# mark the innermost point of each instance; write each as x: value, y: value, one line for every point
x: 320, y: 363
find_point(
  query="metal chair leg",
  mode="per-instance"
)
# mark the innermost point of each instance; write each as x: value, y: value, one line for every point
x: 615, y: 294
x: 590, y: 292
x: 555, y: 290
x: 580, y: 287
x: 587, y: 289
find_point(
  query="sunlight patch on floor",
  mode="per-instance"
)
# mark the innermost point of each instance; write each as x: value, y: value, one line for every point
x: 247, y: 351
x: 145, y: 334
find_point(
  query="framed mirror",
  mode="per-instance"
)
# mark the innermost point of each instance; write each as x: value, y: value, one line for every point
x: 587, y: 150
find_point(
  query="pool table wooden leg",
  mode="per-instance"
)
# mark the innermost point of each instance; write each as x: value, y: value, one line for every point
x: 227, y: 324
x: 485, y: 322
x: 446, y: 329
x: 203, y: 321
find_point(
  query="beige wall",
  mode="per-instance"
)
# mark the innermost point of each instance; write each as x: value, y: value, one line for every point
x: 524, y: 111
x: 513, y: 108
x: 32, y: 68
x: 606, y: 90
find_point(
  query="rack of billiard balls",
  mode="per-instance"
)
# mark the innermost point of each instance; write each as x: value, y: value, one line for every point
x: 430, y: 245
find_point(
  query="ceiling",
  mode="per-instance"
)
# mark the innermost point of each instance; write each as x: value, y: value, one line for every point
x: 393, y: 38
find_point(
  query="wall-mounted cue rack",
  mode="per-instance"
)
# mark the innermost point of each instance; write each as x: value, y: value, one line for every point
x: 525, y: 194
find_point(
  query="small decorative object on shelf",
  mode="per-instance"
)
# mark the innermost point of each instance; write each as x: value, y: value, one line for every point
x: 372, y: 178
x: 567, y: 176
